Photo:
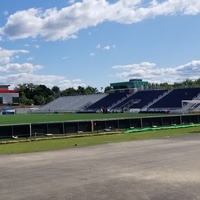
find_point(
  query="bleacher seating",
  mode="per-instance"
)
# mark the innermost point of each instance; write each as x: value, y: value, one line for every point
x: 144, y: 97
x: 70, y: 103
x: 143, y: 100
x: 175, y: 97
x: 108, y: 101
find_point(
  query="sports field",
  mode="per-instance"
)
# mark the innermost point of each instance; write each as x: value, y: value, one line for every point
x: 35, y: 118
x: 54, y: 143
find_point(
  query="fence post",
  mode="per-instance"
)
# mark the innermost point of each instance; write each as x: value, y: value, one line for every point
x: 63, y: 127
x: 92, y: 126
x: 30, y: 128
x: 12, y: 131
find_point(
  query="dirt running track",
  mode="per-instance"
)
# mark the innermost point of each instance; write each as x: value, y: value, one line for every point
x: 158, y: 169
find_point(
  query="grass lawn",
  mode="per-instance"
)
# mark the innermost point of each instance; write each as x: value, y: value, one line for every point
x: 35, y: 118
x: 54, y: 144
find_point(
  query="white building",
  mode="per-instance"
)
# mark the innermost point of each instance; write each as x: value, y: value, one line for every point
x: 8, y: 96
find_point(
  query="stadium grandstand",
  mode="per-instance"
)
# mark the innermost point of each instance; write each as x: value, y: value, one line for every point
x: 70, y: 103
x: 134, y: 95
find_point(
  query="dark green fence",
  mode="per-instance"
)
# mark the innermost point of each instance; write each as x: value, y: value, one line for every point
x: 70, y: 127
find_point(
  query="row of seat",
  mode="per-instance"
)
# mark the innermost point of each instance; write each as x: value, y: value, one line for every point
x: 175, y: 97
x: 138, y: 100
x: 71, y: 103
x: 157, y: 98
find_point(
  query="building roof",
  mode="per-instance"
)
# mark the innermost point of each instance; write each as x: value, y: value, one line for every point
x: 3, y: 86
x: 8, y: 91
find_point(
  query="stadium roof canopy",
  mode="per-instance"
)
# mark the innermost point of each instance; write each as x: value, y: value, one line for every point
x: 132, y: 83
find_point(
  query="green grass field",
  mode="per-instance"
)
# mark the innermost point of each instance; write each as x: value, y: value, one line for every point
x: 55, y: 144
x: 35, y: 118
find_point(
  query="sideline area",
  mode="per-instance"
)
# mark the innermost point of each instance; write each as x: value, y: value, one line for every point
x: 72, y: 141
x: 141, y: 170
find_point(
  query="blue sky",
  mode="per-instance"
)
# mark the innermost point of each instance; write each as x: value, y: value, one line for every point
x: 71, y: 43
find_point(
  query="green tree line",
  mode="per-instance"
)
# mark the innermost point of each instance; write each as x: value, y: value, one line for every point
x: 31, y: 94
x: 184, y: 84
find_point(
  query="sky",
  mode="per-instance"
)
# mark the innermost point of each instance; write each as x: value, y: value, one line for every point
x: 71, y: 43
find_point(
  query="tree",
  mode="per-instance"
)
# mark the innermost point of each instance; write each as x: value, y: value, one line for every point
x: 69, y: 91
x: 56, y: 91
x: 80, y: 90
x: 90, y: 90
x: 197, y: 82
x: 39, y: 100
x: 26, y: 93
x: 165, y: 86
x: 22, y: 99
x: 29, y: 102
x: 107, y: 89
x: 50, y: 98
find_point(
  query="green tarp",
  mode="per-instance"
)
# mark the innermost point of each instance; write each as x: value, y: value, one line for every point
x: 160, y: 128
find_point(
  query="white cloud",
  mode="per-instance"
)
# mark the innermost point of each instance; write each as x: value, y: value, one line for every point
x: 92, y: 54
x: 37, y: 46
x: 107, y: 47
x: 48, y: 80
x: 7, y: 55
x: 150, y: 72
x: 72, y: 1
x: 153, y: 3
x: 30, y: 58
x: 73, y: 83
x: 16, y: 67
x: 4, y: 59
x: 98, y: 46
x: 16, y: 73
x: 53, y: 24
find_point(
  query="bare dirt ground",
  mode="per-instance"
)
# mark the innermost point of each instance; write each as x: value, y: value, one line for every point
x: 158, y: 169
